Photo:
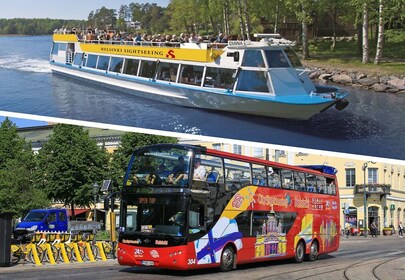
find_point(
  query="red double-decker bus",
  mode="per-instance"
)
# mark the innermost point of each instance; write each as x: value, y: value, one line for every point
x: 188, y: 207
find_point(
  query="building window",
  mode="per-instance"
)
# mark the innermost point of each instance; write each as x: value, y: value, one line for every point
x: 216, y: 146
x: 372, y: 175
x: 258, y: 152
x: 350, y: 177
x: 237, y: 149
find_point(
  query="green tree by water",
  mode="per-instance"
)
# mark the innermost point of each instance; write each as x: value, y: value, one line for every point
x: 69, y: 164
x: 131, y: 141
x: 17, y: 163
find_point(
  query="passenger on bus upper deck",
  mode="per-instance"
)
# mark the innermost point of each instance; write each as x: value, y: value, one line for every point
x: 178, y: 171
x: 199, y: 170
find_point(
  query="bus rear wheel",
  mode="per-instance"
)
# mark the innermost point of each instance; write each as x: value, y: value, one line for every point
x: 227, y: 259
x: 314, y: 253
x: 300, y: 252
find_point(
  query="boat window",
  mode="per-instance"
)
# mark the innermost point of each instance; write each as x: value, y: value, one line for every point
x: 62, y: 46
x: 252, y: 81
x: 55, y: 48
x: 167, y: 71
x: 191, y: 74
x: 274, y: 178
x: 148, y: 68
x: 276, y: 59
x: 253, y: 58
x: 91, y: 60
x: 219, y: 77
x: 78, y: 59
x: 103, y: 62
x: 131, y: 66
x: 116, y: 64
x: 293, y: 57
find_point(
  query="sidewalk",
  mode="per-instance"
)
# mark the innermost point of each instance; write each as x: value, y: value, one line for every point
x: 29, y: 266
x: 360, y: 237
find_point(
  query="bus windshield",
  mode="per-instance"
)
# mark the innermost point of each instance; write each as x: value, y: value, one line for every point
x: 155, y: 215
x: 159, y: 166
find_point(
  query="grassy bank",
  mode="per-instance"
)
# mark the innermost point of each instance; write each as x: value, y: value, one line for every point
x: 348, y: 56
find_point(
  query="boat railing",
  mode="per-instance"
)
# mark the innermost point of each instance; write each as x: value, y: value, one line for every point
x: 202, y: 45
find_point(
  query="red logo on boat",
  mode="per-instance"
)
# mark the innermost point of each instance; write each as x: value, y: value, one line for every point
x: 170, y: 54
x: 237, y: 201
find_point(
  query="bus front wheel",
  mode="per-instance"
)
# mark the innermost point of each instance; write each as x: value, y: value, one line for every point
x: 300, y: 252
x: 313, y: 255
x: 227, y: 259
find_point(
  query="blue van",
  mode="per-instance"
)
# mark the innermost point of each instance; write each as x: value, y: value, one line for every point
x: 42, y: 220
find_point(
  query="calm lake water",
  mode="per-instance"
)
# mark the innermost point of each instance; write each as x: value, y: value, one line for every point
x: 373, y: 124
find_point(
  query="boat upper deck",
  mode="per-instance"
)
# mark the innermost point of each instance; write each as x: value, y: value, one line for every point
x: 199, y: 52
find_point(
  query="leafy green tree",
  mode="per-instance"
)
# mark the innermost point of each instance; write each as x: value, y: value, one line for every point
x: 131, y: 141
x: 69, y: 164
x: 103, y: 18
x: 17, y: 163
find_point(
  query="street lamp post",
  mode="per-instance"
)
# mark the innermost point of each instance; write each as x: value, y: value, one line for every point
x: 95, y: 192
x: 365, y: 165
x: 365, y: 201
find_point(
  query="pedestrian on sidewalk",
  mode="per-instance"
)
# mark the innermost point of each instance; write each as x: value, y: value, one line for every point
x: 400, y: 230
x: 374, y: 229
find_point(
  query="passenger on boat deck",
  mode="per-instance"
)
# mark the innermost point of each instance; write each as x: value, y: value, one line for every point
x: 219, y: 38
x: 182, y: 38
x: 138, y: 39
x: 186, y: 38
x: 225, y: 39
x: 174, y: 39
x: 167, y: 37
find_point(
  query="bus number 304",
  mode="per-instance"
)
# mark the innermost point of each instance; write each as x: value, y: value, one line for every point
x: 191, y: 261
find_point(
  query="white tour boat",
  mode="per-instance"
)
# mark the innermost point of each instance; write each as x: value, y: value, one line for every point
x: 260, y: 78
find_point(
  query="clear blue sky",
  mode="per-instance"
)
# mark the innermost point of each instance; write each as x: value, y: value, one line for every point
x: 23, y: 122
x: 57, y: 9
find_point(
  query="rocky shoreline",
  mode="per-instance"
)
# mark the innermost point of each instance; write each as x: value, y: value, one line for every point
x: 392, y: 84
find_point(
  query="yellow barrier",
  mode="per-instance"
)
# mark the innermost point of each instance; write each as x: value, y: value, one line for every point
x: 37, y: 261
x: 101, y: 250
x: 54, y: 248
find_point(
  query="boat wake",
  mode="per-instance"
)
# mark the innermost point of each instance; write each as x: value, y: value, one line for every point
x: 178, y: 127
x: 25, y: 65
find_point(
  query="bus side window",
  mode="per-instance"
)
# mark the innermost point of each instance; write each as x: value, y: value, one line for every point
x: 330, y: 187
x: 259, y: 175
x: 274, y: 179
x: 237, y: 174
x: 299, y: 181
x: 243, y: 221
x: 287, y: 179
